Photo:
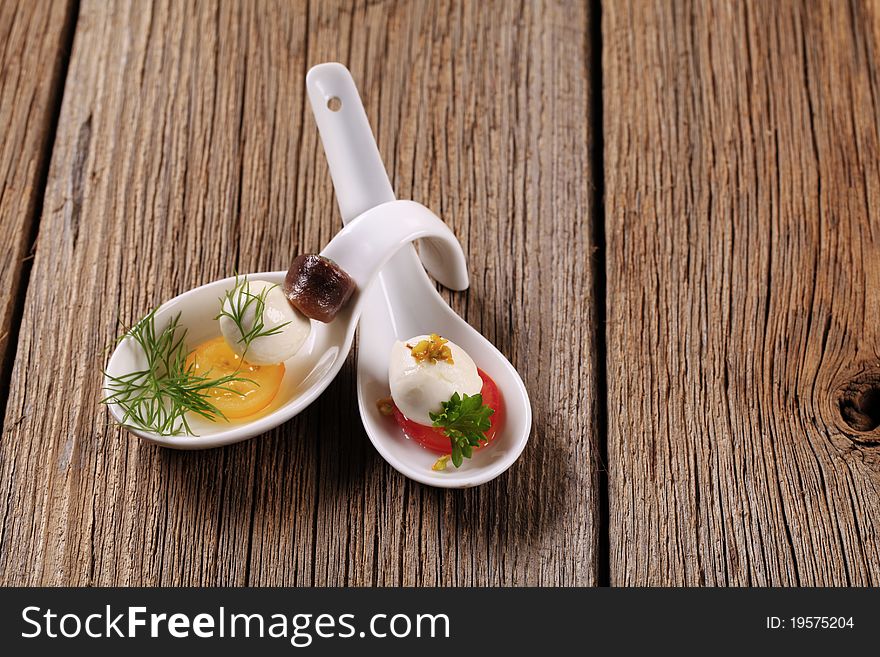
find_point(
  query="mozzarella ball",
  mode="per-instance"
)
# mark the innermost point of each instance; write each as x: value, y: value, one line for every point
x: 265, y: 349
x: 419, y: 386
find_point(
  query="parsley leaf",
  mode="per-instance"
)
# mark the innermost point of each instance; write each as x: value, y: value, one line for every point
x: 465, y: 420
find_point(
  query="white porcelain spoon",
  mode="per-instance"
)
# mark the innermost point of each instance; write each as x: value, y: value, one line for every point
x: 403, y: 302
x: 361, y: 249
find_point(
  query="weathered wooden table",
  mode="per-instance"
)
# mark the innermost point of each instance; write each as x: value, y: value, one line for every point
x: 672, y: 215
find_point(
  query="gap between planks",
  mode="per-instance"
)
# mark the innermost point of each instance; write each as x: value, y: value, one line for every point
x: 56, y: 97
x: 593, y: 57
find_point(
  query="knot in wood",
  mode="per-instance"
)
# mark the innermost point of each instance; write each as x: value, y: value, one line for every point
x: 859, y: 403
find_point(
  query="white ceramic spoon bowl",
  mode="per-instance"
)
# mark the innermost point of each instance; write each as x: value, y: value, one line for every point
x: 403, y: 302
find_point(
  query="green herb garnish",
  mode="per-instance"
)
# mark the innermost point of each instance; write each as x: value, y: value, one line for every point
x: 465, y: 419
x: 158, y: 398
x: 239, y: 300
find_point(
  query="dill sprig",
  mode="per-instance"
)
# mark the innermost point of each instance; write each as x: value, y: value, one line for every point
x: 236, y: 303
x: 158, y: 397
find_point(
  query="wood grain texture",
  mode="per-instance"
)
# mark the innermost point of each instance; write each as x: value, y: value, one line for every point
x: 34, y: 38
x: 186, y: 150
x: 743, y: 265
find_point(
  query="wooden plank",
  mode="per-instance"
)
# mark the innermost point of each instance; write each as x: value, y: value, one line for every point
x: 35, y: 38
x: 743, y: 262
x: 186, y: 150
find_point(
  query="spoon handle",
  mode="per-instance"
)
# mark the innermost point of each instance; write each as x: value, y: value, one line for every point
x: 366, y: 245
x: 358, y: 174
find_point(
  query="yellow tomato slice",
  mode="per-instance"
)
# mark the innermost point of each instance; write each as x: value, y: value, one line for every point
x: 237, y: 399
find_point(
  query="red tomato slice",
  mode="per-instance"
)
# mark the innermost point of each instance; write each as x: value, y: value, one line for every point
x: 435, y: 440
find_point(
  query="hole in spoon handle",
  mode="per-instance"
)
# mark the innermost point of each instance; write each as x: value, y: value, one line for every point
x: 358, y: 174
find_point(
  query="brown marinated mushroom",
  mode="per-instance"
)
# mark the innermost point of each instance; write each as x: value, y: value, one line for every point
x: 317, y: 287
